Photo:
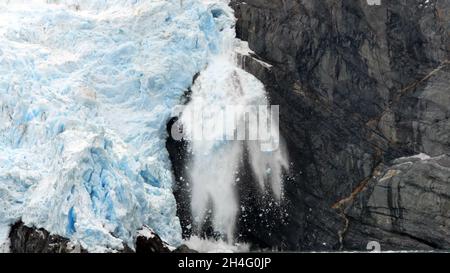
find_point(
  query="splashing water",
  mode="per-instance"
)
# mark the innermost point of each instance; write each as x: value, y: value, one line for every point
x: 216, y: 162
x: 215, y: 246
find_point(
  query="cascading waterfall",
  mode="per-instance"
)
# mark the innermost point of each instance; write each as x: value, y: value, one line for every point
x: 217, y: 159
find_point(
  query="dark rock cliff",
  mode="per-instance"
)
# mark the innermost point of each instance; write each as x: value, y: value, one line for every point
x: 358, y: 87
x: 405, y: 206
x: 26, y: 239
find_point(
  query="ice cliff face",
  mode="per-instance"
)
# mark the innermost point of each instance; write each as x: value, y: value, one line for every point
x: 86, y: 89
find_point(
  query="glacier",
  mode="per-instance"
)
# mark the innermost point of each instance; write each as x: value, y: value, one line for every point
x: 86, y: 90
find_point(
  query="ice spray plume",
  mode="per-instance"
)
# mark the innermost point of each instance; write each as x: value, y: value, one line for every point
x: 216, y: 159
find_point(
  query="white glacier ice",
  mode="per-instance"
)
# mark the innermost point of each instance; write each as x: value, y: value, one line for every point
x: 86, y: 89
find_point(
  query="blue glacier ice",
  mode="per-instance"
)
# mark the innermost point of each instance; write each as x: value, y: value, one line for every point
x: 86, y: 90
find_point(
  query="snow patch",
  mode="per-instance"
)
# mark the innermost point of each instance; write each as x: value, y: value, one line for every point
x: 420, y: 156
x: 146, y: 232
x: 242, y: 49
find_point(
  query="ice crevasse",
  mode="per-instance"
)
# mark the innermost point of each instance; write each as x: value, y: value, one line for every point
x: 86, y: 90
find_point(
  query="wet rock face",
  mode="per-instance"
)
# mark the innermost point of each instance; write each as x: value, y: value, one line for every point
x: 358, y: 86
x: 179, y: 156
x: 24, y: 239
x: 147, y: 241
x: 406, y: 206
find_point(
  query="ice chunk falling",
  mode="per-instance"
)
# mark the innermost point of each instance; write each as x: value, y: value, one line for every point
x: 221, y: 90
